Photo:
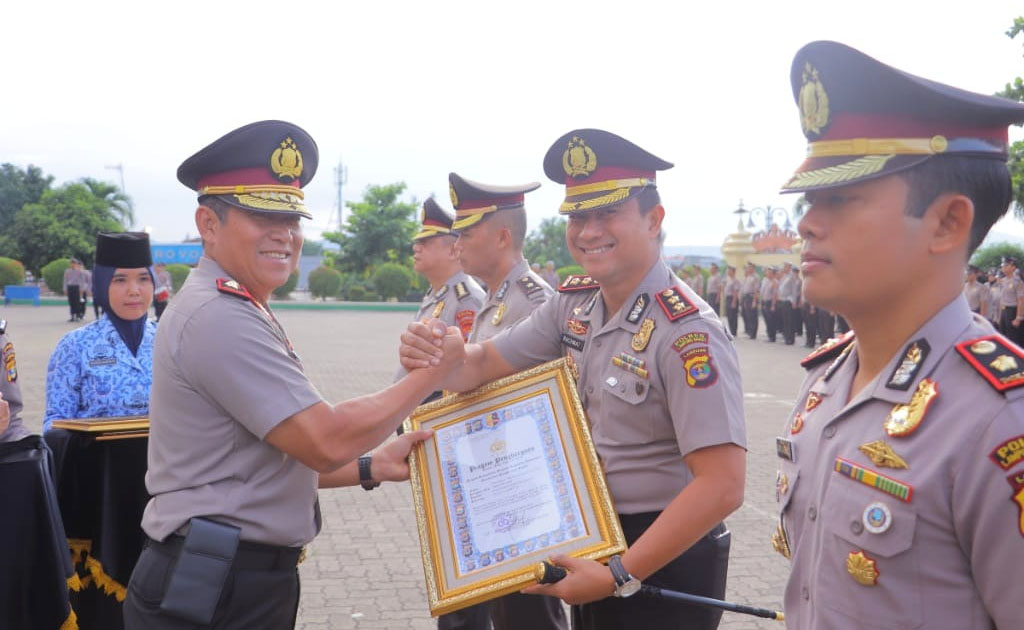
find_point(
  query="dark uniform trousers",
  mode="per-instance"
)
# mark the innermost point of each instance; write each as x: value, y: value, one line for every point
x: 749, y: 315
x: 826, y: 324
x: 732, y: 315
x: 842, y: 327
x: 1006, y: 317
x: 514, y: 611
x: 810, y: 324
x: 785, y: 309
x: 701, y: 570
x: 770, y: 326
x: 75, y: 301
x: 261, y: 591
x: 713, y: 299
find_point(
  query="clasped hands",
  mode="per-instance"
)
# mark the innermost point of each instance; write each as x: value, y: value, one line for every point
x: 432, y: 344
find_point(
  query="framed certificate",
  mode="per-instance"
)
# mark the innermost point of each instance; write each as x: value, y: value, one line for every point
x: 116, y: 428
x: 509, y: 478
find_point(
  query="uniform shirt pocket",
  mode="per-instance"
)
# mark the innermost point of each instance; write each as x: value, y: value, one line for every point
x: 871, y: 534
x: 626, y: 419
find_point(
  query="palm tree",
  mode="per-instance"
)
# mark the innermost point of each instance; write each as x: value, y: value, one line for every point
x: 118, y: 203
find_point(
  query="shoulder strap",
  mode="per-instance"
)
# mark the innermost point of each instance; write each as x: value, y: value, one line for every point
x: 578, y: 283
x: 997, y: 359
x: 828, y: 350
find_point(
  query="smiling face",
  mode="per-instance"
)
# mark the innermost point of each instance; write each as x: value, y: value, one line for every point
x: 617, y: 244
x: 861, y: 249
x: 259, y: 250
x: 130, y: 293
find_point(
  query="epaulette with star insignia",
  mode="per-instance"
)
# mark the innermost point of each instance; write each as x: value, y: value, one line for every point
x: 675, y: 304
x: 578, y: 283
x: 460, y: 290
x: 997, y: 359
x: 3, y: 326
x: 527, y: 284
x: 232, y: 287
x: 828, y: 350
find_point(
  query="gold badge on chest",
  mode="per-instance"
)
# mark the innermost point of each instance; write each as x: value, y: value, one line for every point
x: 881, y: 454
x: 643, y: 336
x: 438, y: 308
x: 904, y: 419
x: 499, y: 314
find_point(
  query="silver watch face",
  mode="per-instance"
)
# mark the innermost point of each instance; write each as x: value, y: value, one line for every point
x: 629, y: 588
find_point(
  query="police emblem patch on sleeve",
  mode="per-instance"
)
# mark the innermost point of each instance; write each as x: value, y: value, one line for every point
x: 10, y: 365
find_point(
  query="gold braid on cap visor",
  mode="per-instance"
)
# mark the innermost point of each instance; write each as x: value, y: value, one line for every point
x: 620, y: 189
x: 263, y: 197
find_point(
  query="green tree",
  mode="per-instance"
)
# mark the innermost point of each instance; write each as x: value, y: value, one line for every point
x: 282, y: 292
x: 179, y: 273
x: 11, y: 272
x: 1015, y: 91
x: 312, y: 248
x: 53, y: 274
x: 990, y: 255
x: 17, y: 188
x: 392, y: 280
x: 63, y: 223
x: 324, y: 282
x: 547, y: 242
x: 379, y: 230
x: 118, y: 203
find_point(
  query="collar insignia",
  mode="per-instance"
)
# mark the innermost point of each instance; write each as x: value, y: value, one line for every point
x: 579, y: 160
x: 996, y: 358
x: 441, y: 292
x: 813, y: 400
x: 904, y: 419
x: 502, y: 290
x: 286, y: 161
x: 881, y: 454
x: 906, y: 370
x: 638, y: 308
x: 232, y: 287
x: 642, y: 336
x: 578, y: 283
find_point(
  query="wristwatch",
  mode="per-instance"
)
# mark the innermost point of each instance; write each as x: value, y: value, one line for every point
x: 365, y: 478
x: 625, y: 584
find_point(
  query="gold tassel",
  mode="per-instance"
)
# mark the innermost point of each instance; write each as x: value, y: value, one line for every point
x: 109, y: 585
x: 71, y: 623
x: 75, y: 583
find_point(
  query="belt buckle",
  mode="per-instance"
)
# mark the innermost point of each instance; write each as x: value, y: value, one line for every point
x: 302, y: 555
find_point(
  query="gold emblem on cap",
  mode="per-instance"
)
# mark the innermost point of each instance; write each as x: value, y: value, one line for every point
x: 813, y: 102
x: 938, y: 144
x: 904, y: 419
x: 642, y: 336
x: 455, y: 197
x: 286, y: 161
x: 862, y: 568
x: 882, y: 454
x: 579, y: 160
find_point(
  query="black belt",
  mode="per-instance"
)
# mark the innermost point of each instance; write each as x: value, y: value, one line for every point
x: 250, y: 556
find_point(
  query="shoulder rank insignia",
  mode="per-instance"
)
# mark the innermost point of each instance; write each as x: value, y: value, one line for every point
x: 232, y: 287
x: 675, y: 304
x: 578, y: 283
x: 904, y: 419
x: 997, y: 359
x: 460, y: 290
x: 529, y: 287
x: 3, y: 326
x: 827, y: 350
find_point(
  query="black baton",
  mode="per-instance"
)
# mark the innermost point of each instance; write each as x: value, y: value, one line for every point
x: 547, y: 573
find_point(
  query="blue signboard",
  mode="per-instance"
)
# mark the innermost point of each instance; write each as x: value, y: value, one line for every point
x: 180, y: 253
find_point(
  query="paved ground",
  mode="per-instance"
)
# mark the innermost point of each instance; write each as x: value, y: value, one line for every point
x: 364, y: 570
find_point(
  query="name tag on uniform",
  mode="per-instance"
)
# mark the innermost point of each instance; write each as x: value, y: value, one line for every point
x: 103, y: 361
x: 573, y: 342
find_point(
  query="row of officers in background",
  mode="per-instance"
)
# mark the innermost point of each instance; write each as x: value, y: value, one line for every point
x: 772, y: 293
x: 998, y: 296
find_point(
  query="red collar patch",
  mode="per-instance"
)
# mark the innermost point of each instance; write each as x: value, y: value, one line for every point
x: 827, y: 350
x: 997, y: 359
x: 233, y: 287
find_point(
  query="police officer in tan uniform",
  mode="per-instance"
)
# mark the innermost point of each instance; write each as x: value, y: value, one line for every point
x: 749, y: 290
x: 491, y: 224
x: 453, y: 297
x: 658, y: 378
x: 714, y: 287
x: 768, y: 293
x: 901, y: 470
x: 1011, y: 300
x: 787, y: 297
x: 976, y: 292
x: 732, y: 299
x: 11, y: 427
x: 239, y: 438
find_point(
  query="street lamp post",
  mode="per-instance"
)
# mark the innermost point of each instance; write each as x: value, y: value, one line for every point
x: 769, y: 213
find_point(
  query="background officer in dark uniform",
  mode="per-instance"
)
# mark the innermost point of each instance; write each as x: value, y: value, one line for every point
x: 239, y: 438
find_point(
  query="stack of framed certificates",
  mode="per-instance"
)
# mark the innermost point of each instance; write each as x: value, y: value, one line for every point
x: 119, y: 428
x: 509, y: 478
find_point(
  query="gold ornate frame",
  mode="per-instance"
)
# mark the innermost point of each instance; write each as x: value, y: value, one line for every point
x: 452, y: 583
x: 118, y: 428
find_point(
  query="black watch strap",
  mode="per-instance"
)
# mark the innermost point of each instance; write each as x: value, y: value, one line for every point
x: 618, y: 571
x: 365, y: 477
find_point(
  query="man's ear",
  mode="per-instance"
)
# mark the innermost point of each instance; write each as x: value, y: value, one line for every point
x: 952, y: 216
x: 207, y: 223
x: 656, y: 216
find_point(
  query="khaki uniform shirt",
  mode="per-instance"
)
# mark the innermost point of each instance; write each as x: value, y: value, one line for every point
x: 686, y: 395
x: 993, y: 300
x: 767, y: 290
x: 518, y: 295
x: 77, y: 277
x: 750, y: 285
x: 921, y: 529
x: 224, y: 375
x: 455, y: 303
x: 788, y: 290
x: 697, y: 284
x: 1010, y: 290
x: 732, y: 289
x: 10, y: 389
x: 977, y: 296
x: 714, y: 284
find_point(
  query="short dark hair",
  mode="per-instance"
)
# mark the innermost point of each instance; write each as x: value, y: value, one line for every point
x: 647, y: 198
x: 985, y: 182
x: 219, y: 207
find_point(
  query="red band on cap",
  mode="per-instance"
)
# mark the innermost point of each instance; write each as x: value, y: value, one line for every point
x: 472, y: 204
x: 604, y: 173
x: 847, y: 125
x: 433, y: 223
x: 244, y: 177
